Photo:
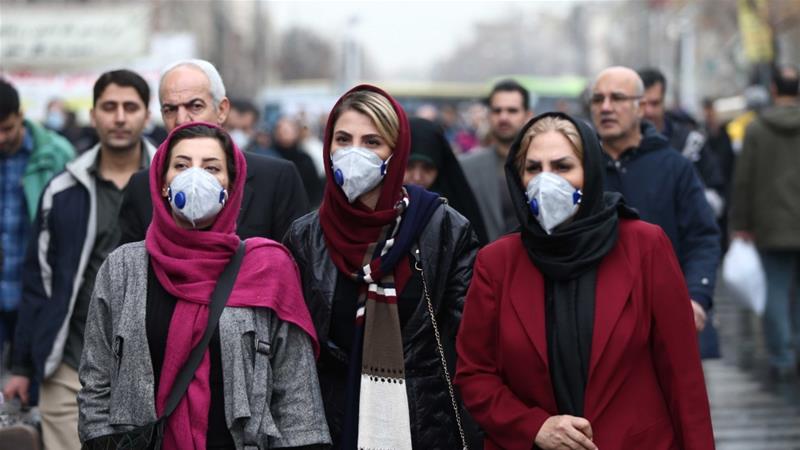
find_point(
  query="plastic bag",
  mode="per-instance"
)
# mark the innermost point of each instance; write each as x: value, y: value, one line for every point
x: 744, y: 277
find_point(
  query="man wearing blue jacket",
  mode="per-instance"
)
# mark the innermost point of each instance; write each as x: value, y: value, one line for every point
x: 661, y: 184
x: 75, y: 229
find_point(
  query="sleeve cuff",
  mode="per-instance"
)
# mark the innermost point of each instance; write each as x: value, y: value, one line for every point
x: 22, y: 370
x: 702, y: 298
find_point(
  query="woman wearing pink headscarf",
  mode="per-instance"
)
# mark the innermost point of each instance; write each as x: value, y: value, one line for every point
x: 256, y: 385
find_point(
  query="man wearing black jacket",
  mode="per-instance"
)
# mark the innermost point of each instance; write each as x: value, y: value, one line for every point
x: 192, y: 90
x: 661, y: 184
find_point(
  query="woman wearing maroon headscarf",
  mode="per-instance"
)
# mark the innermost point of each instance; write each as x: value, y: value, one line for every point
x: 365, y: 260
x: 256, y: 385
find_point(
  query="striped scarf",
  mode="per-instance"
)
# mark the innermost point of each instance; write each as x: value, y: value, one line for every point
x: 383, y: 416
x: 372, y: 247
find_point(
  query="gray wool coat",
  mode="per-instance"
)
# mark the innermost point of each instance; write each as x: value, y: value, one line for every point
x: 272, y: 396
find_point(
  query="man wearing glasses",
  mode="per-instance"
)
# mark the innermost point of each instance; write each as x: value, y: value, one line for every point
x: 660, y: 183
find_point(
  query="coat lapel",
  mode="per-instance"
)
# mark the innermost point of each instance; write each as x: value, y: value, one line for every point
x: 614, y: 283
x: 248, y: 196
x: 527, y: 298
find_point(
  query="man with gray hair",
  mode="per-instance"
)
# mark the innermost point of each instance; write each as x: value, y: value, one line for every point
x: 192, y: 90
x: 661, y: 184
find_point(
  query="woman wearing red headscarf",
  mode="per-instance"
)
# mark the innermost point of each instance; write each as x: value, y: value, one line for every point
x: 365, y: 259
x: 256, y: 385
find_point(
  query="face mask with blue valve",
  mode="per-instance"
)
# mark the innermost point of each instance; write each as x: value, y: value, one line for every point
x: 196, y: 195
x: 357, y: 171
x: 552, y: 199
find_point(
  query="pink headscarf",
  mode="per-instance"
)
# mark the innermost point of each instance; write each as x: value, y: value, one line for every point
x: 188, y: 263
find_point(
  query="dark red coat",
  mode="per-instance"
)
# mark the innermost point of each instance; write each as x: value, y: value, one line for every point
x: 645, y: 388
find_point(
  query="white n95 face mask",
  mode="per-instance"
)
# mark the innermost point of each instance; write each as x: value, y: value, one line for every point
x: 196, y: 195
x: 552, y: 200
x: 357, y: 171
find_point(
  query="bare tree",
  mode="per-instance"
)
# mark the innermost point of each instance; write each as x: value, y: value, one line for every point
x: 305, y: 55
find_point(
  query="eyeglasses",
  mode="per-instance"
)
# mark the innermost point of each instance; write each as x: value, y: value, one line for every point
x: 615, y: 98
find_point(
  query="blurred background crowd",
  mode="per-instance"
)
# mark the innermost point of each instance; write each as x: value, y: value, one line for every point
x: 284, y: 63
x: 707, y: 66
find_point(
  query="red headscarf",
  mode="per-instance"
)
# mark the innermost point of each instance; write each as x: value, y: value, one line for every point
x: 350, y: 229
x: 188, y: 263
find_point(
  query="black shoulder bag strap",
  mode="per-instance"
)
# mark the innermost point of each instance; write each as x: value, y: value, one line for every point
x: 219, y: 298
x: 438, y: 336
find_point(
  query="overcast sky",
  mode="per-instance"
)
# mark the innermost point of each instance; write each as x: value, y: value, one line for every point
x: 402, y: 37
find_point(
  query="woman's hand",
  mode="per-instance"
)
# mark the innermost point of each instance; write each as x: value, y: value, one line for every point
x: 565, y: 432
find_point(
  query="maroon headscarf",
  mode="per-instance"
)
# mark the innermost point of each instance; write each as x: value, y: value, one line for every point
x: 188, y: 263
x: 350, y: 229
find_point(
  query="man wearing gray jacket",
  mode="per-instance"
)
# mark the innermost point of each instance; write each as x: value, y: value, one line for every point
x: 508, y: 112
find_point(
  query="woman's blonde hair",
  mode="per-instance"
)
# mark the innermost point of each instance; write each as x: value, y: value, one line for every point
x: 544, y: 125
x: 377, y: 108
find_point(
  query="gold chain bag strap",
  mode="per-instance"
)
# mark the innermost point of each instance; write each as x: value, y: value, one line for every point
x: 418, y: 267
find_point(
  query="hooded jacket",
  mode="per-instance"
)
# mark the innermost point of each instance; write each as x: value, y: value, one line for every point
x: 50, y: 153
x: 766, y: 184
x: 62, y: 240
x: 665, y: 189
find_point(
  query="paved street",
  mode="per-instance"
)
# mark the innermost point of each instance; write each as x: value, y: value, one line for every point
x: 749, y: 411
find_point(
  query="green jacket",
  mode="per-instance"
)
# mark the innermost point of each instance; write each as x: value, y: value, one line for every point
x: 51, y: 152
x: 766, y: 189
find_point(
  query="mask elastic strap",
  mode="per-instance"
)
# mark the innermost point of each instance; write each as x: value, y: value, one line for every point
x: 385, y: 164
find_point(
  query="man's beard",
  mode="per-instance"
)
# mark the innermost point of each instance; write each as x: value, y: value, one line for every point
x: 505, y: 140
x: 121, y: 149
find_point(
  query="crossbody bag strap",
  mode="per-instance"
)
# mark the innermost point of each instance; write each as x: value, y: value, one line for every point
x: 219, y: 298
x: 418, y: 267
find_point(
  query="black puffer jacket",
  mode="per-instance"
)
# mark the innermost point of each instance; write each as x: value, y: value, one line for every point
x: 447, y: 250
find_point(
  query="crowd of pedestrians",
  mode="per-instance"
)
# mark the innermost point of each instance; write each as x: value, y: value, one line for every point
x: 391, y: 282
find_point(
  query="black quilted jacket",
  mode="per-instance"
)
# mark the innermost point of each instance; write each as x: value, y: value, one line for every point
x: 447, y: 247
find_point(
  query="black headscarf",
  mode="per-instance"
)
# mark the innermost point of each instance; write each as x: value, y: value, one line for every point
x: 429, y: 144
x: 568, y: 259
